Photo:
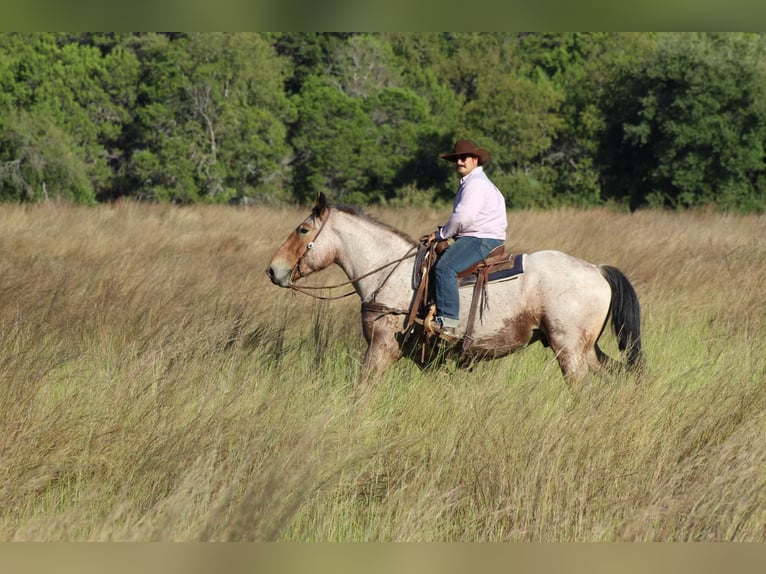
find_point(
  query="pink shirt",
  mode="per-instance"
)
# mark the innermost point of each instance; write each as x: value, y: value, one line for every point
x: 478, y: 211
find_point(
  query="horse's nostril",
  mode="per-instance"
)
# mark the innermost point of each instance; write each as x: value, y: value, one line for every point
x: 270, y: 272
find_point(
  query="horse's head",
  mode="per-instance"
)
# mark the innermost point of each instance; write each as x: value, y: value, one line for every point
x: 300, y: 255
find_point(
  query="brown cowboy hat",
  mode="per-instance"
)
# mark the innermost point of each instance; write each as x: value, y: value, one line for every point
x: 463, y: 147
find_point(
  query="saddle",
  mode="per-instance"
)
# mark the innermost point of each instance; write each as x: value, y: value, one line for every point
x: 497, y: 266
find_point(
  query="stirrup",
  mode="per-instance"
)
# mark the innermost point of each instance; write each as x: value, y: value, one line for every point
x: 432, y: 327
x: 429, y: 323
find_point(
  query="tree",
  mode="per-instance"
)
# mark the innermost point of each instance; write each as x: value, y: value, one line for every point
x: 673, y: 120
x: 401, y: 123
x: 424, y: 59
x: 687, y: 127
x: 363, y: 135
x: 363, y: 66
x: 579, y: 65
x: 212, y: 118
x: 334, y: 142
x: 72, y: 93
x: 39, y: 161
x: 306, y: 54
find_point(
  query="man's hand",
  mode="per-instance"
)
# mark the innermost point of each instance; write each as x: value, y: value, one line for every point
x: 428, y: 239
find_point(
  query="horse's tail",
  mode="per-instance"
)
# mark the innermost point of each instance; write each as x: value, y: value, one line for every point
x: 626, y: 315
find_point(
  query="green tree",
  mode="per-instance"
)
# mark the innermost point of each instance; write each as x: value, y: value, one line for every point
x: 212, y: 118
x: 402, y: 124
x: 238, y: 97
x: 71, y: 92
x: 160, y: 158
x: 687, y: 127
x: 424, y: 63
x: 306, y: 54
x: 676, y: 120
x: 363, y: 134
x: 579, y: 65
x: 40, y: 161
x: 333, y: 145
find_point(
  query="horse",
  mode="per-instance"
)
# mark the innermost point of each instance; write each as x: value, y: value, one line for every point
x: 559, y: 300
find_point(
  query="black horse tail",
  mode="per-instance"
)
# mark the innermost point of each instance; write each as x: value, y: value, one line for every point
x: 626, y: 316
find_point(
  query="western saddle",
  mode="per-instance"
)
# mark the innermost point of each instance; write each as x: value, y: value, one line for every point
x: 497, y: 265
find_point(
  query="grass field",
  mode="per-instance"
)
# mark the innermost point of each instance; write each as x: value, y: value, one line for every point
x: 154, y: 385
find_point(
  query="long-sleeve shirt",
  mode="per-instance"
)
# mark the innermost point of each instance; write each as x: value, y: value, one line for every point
x: 478, y: 211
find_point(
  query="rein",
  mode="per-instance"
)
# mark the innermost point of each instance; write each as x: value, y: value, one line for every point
x: 306, y: 289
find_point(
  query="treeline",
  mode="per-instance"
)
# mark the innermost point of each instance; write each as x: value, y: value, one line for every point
x: 644, y: 119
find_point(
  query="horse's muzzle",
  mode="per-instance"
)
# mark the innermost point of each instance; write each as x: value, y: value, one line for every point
x: 279, y: 277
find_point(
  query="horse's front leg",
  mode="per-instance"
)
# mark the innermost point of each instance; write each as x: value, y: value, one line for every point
x: 383, y: 349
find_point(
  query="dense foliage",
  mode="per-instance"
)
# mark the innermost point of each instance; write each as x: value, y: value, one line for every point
x: 650, y: 119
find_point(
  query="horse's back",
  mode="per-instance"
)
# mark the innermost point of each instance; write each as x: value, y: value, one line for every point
x: 555, y: 258
x: 567, y: 284
x: 552, y: 264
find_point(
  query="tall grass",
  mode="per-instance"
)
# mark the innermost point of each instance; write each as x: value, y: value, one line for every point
x: 155, y: 386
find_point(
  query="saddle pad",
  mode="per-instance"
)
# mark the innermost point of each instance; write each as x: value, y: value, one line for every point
x: 511, y: 268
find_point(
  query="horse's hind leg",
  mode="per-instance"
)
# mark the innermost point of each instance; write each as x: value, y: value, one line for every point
x: 572, y: 365
x: 575, y: 357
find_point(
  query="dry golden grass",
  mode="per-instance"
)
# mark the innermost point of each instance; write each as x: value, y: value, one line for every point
x: 155, y: 386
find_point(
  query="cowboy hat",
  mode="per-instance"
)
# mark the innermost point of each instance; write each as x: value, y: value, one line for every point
x: 464, y: 147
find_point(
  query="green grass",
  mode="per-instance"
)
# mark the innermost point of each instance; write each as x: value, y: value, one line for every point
x: 155, y: 386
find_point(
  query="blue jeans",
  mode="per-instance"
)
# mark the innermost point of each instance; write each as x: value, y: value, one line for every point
x: 463, y: 253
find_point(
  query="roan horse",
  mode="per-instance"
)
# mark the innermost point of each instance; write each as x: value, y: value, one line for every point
x: 559, y: 300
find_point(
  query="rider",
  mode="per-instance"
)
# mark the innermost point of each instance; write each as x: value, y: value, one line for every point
x: 477, y: 223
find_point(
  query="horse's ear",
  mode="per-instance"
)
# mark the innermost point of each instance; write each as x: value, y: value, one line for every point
x: 319, y: 205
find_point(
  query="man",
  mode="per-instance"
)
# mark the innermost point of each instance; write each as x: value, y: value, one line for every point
x: 477, y: 224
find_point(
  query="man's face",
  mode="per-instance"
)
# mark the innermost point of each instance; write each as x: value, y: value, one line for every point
x: 465, y: 164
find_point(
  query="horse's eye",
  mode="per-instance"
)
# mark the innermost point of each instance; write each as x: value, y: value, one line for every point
x: 303, y: 230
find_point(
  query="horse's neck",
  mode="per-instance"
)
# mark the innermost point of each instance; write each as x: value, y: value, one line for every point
x: 368, y: 247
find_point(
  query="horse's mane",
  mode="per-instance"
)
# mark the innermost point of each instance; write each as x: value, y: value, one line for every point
x: 357, y: 212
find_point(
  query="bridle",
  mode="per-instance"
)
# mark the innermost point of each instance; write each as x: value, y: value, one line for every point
x: 309, y: 246
x: 306, y: 290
